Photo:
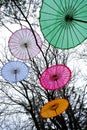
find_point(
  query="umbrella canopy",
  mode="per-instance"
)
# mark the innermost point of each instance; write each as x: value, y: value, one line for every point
x: 14, y: 71
x: 22, y: 44
x: 54, y: 108
x: 64, y: 22
x: 55, y: 77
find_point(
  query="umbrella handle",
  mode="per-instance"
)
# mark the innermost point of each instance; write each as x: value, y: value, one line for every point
x: 28, y: 53
x: 56, y: 112
x: 78, y: 20
x: 15, y: 73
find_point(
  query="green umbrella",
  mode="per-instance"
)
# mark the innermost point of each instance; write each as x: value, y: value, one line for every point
x: 64, y: 22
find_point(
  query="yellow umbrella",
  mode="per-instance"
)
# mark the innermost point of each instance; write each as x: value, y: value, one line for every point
x: 54, y: 108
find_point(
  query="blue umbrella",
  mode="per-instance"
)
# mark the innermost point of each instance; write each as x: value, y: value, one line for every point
x: 14, y: 71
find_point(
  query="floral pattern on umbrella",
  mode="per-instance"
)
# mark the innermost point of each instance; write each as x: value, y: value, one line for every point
x: 55, y: 77
x: 54, y: 108
x: 14, y: 71
x: 22, y: 44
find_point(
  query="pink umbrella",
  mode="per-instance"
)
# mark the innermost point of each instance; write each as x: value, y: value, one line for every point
x: 55, y: 77
x: 22, y: 44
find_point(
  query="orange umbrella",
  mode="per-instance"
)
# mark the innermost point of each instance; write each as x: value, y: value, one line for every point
x: 54, y: 108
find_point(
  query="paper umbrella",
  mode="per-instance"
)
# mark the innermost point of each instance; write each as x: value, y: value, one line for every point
x: 64, y: 22
x: 54, y: 108
x: 55, y: 77
x: 14, y: 71
x: 22, y: 44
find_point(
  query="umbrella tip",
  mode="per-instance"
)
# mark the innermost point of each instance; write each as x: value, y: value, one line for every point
x: 15, y: 71
x: 68, y: 18
x: 54, y: 106
x: 26, y: 45
x: 54, y: 77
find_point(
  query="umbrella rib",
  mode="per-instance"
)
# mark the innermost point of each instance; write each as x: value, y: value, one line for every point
x: 71, y: 35
x: 78, y: 12
x: 48, y: 13
x: 79, y: 31
x: 70, y: 5
x: 85, y: 11
x: 58, y: 37
x: 58, y: 6
x: 22, y: 33
x: 19, y: 35
x: 71, y: 8
x: 48, y: 26
x: 17, y: 52
x: 76, y: 6
x: 81, y: 26
x: 81, y: 17
x: 63, y: 37
x: 56, y: 34
x: 74, y: 9
x: 75, y: 33
x: 65, y: 5
x: 12, y: 37
x: 51, y: 7
x: 47, y: 20
x: 62, y: 5
x: 81, y: 8
x: 67, y: 37
x: 51, y: 31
